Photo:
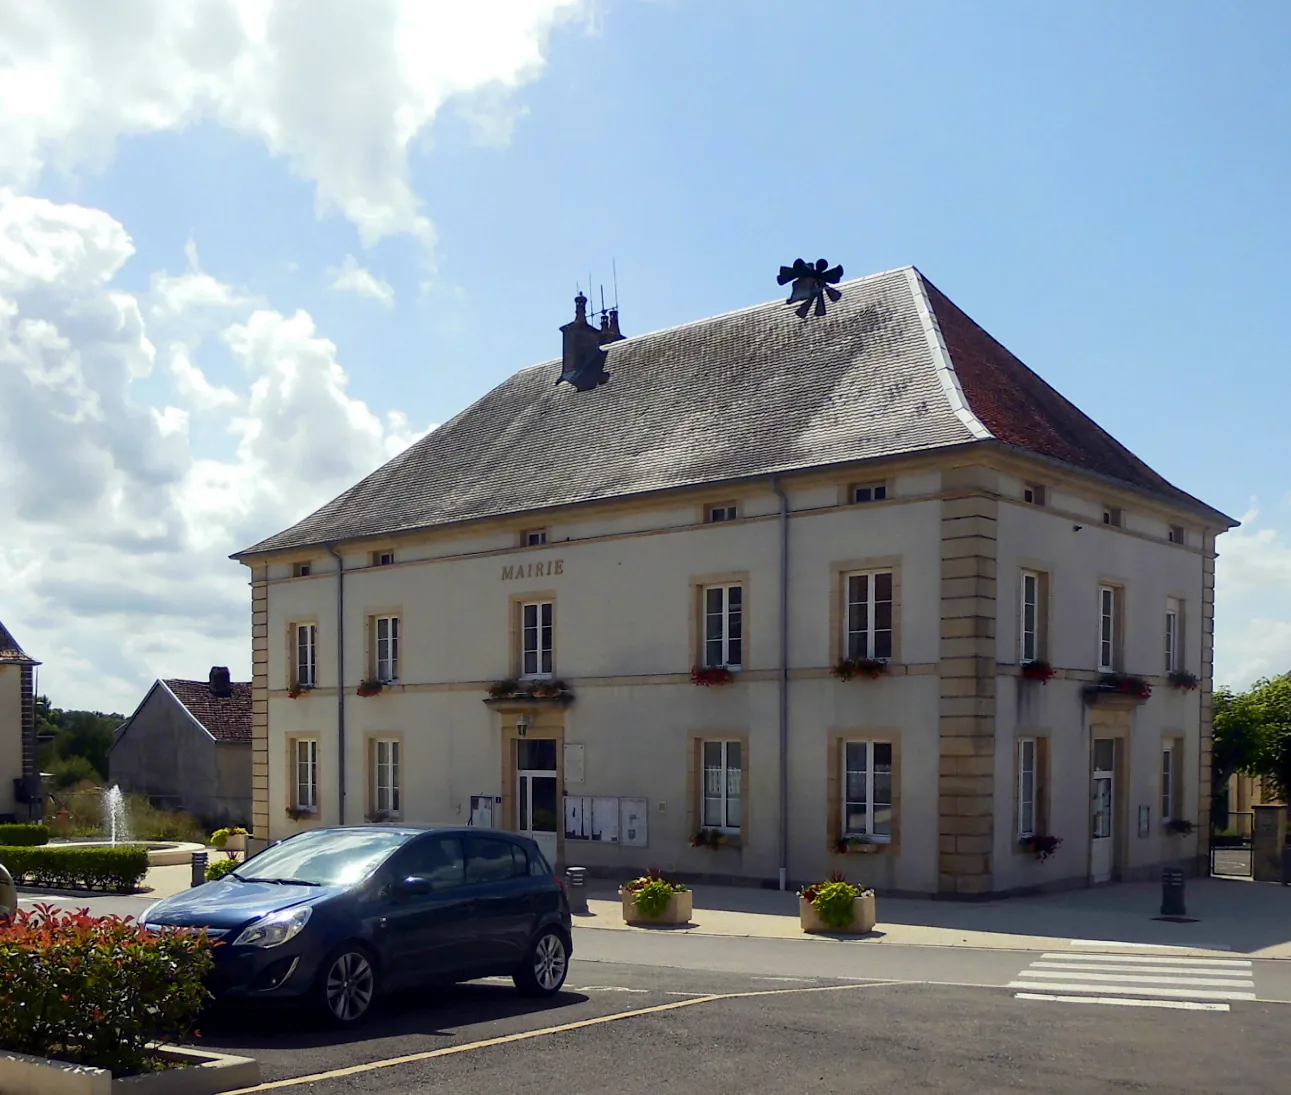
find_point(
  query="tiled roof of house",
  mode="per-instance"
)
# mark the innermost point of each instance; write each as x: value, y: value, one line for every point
x: 893, y: 368
x: 228, y: 718
x: 10, y: 652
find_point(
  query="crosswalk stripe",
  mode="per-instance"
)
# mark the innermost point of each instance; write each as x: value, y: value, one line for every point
x: 1150, y: 960
x: 1116, y: 967
x: 1142, y: 979
x: 1132, y: 990
x: 1178, y: 1005
x: 1096, y: 943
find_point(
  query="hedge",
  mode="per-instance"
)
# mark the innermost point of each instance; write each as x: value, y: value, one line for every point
x: 119, y: 869
x: 23, y: 835
x: 98, y: 991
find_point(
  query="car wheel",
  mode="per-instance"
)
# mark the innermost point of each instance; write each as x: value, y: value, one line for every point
x: 347, y: 987
x: 546, y: 967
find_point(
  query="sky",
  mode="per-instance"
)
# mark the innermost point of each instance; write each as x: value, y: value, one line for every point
x: 251, y: 250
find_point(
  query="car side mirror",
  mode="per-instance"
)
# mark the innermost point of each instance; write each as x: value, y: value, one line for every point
x: 415, y: 885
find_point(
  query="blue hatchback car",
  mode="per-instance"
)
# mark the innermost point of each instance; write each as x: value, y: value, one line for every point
x: 335, y: 916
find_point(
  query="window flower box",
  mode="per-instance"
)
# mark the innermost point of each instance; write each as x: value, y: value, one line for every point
x: 1040, y: 845
x: 711, y: 676
x: 1118, y: 687
x: 653, y: 899
x: 711, y: 838
x: 294, y: 689
x: 301, y: 813
x: 1180, y: 826
x: 541, y: 693
x: 856, y: 844
x: 1183, y: 680
x: 1038, y: 670
x: 369, y: 687
x: 837, y: 907
x: 848, y: 668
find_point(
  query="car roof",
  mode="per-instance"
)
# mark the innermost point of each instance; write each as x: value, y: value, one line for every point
x: 417, y: 828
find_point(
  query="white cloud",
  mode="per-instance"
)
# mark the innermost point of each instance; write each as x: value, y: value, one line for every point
x: 350, y: 277
x: 193, y: 291
x: 114, y: 559
x: 340, y: 91
x: 1253, y: 603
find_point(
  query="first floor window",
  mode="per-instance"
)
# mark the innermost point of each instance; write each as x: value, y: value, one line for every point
x: 1171, y: 634
x: 387, y: 648
x: 1106, y: 628
x: 867, y: 789
x: 869, y: 615
x: 723, y: 781
x: 536, y: 639
x: 386, y: 791
x: 306, y: 654
x: 1168, y: 803
x: 1030, y: 621
x: 724, y: 626
x: 1026, y: 787
x: 305, y: 758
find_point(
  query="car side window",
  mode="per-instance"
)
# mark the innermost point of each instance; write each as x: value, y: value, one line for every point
x: 491, y: 861
x: 539, y: 867
x: 438, y: 858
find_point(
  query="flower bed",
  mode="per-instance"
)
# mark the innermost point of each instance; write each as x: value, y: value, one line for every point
x: 653, y: 899
x: 117, y: 869
x: 98, y: 991
x: 836, y: 906
x: 23, y: 835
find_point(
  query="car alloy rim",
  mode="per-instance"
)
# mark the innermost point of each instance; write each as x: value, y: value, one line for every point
x: 549, y: 961
x: 349, y: 986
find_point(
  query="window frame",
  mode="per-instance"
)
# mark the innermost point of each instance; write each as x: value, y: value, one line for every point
x: 1023, y: 744
x: 1037, y: 493
x: 533, y: 537
x: 383, y: 558
x: 1177, y: 534
x: 543, y: 654
x: 1108, y: 594
x: 869, y: 745
x: 298, y: 801
x: 871, y: 631
x: 1113, y: 516
x: 730, y: 512
x: 725, y: 797
x: 297, y: 665
x: 726, y: 640
x: 1037, y: 646
x: 878, y: 492
x: 393, y: 642
x: 394, y: 765
x: 1169, y: 780
x: 1173, y: 634
x: 301, y: 570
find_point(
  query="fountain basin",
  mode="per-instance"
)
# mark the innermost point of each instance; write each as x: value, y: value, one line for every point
x: 161, y: 853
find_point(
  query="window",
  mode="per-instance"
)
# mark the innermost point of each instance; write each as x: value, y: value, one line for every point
x: 1169, y: 803
x: 300, y: 570
x: 724, y: 626
x: 1177, y: 535
x: 1026, y: 787
x: 1107, y: 623
x: 725, y: 512
x: 387, y: 792
x: 723, y: 778
x: 1033, y: 494
x: 870, y: 492
x: 385, y: 633
x: 1172, y: 615
x: 383, y: 558
x: 305, y: 760
x: 439, y: 859
x: 536, y: 639
x: 306, y: 641
x: 869, y: 615
x: 492, y: 860
x: 867, y: 790
x: 1029, y: 623
x: 534, y: 537
x: 1112, y: 516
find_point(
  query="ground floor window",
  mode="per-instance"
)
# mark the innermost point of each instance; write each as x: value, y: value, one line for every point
x: 723, y: 785
x: 386, y: 762
x: 867, y: 789
x: 304, y: 753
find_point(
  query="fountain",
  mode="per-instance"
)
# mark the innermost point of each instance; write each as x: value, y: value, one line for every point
x: 115, y: 819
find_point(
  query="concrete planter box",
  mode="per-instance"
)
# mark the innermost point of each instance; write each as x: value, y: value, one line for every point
x: 864, y: 917
x: 679, y: 910
x: 237, y: 842
x: 204, y: 1074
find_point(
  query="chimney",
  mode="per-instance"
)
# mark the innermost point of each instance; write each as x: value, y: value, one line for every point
x: 610, y: 327
x: 582, y: 361
x: 221, y: 685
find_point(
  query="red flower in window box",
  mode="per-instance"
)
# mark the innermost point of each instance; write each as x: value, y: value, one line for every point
x: 1038, y: 670
x: 1125, y: 685
x: 1042, y: 846
x: 294, y: 689
x: 847, y: 668
x: 711, y: 676
x: 369, y: 687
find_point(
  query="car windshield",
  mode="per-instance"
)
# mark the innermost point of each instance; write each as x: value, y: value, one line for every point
x: 337, y: 857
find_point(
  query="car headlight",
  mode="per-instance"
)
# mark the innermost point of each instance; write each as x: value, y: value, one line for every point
x: 275, y: 929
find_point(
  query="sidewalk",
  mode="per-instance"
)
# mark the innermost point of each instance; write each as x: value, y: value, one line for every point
x: 1231, y: 916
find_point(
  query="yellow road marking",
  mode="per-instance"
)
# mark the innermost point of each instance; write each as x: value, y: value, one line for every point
x: 524, y: 1035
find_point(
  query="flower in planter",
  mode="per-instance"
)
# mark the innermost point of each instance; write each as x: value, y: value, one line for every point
x: 369, y: 687
x: 1183, y: 680
x: 1042, y: 846
x: 300, y: 813
x: 548, y: 690
x: 710, y: 676
x: 847, y: 668
x: 377, y: 817
x: 1180, y: 825
x: 707, y: 838
x: 500, y: 690
x: 220, y: 837
x: 1124, y: 685
x: 294, y: 689
x: 1038, y: 670
x: 652, y: 892
x: 854, y: 842
x: 834, y: 900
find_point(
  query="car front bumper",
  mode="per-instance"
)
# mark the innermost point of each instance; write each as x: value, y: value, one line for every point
x: 271, y: 973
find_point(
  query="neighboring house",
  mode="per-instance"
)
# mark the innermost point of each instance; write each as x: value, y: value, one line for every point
x: 767, y: 495
x: 20, y: 797
x: 188, y: 746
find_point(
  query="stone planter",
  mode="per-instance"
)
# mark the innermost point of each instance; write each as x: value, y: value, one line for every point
x: 679, y: 910
x: 864, y: 917
x: 235, y: 842
x: 204, y: 1074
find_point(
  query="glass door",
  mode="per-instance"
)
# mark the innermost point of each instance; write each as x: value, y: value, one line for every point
x: 537, y: 801
x: 1102, y: 819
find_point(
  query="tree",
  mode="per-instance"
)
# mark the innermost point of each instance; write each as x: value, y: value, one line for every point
x: 1251, y: 734
x: 1273, y: 698
x: 74, y: 744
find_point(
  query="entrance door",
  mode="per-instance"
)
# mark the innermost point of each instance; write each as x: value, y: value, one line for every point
x: 537, y: 804
x: 1102, y: 825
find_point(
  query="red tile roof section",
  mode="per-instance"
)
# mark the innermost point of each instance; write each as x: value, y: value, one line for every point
x: 1022, y: 410
x: 228, y: 718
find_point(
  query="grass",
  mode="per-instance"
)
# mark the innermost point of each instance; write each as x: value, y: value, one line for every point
x: 146, y: 821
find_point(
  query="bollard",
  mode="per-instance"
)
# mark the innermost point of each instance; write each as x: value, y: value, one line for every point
x: 576, y: 888
x: 1172, y: 892
x: 199, y: 868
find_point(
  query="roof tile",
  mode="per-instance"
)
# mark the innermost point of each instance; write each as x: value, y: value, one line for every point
x: 228, y: 718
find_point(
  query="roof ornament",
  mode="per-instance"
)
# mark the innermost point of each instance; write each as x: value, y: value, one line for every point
x: 811, y: 284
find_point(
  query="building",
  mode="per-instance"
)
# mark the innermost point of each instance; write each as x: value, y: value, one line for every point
x: 20, y: 798
x: 188, y: 747
x: 515, y: 605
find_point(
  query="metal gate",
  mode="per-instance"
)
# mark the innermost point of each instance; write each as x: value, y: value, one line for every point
x: 1230, y: 850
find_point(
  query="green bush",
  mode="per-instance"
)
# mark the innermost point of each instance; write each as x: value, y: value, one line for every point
x: 118, y: 869
x: 652, y: 898
x: 220, y: 868
x: 835, y: 904
x: 23, y: 836
x: 98, y: 990
x: 220, y: 837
